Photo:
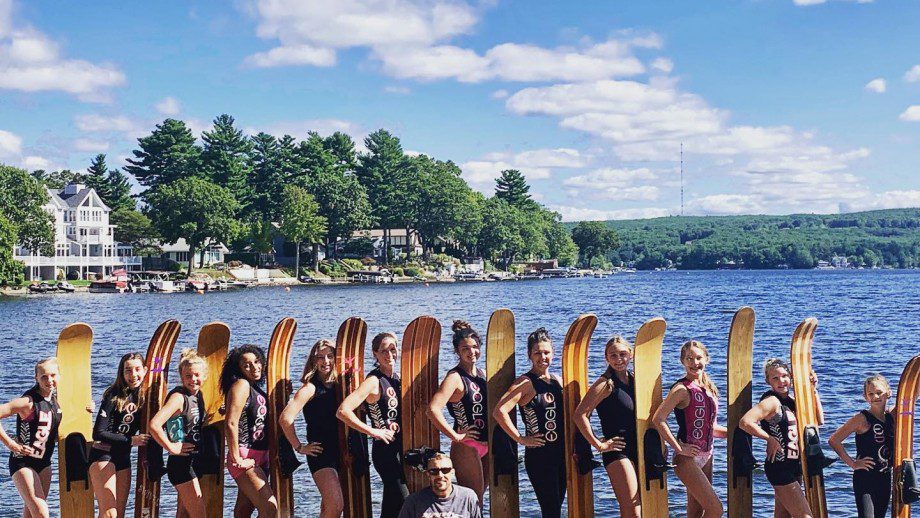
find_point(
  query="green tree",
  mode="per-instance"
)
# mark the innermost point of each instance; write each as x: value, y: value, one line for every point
x: 382, y: 173
x: 301, y: 222
x: 512, y: 187
x: 559, y: 241
x: 194, y: 209
x: 443, y: 200
x: 267, y: 178
x: 500, y: 234
x: 225, y: 158
x: 135, y: 229
x: 21, y: 200
x: 594, y: 238
x: 331, y: 180
x: 11, y: 270
x: 165, y: 156
x: 111, y: 185
x: 56, y: 180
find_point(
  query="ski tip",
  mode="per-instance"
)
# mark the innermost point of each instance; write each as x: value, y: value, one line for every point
x: 74, y: 330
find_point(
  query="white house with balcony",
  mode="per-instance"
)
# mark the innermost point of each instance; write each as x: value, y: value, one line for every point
x: 84, y: 241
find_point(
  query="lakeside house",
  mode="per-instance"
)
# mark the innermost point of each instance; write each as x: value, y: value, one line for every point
x: 84, y: 240
x: 178, y: 252
x: 399, y: 243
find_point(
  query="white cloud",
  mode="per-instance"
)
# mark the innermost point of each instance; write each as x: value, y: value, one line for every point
x: 500, y: 94
x: 31, y: 62
x: 877, y: 85
x: 95, y: 123
x: 169, y: 106
x: 535, y: 164
x: 884, y: 200
x: 808, y: 2
x: 88, y: 145
x: 10, y: 143
x: 295, y: 55
x: 570, y: 213
x: 614, y: 184
x: 913, y: 75
x: 663, y: 65
x: 911, y: 114
x: 31, y: 163
x: 726, y: 204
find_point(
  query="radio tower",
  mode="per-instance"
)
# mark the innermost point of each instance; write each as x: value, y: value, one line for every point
x: 681, y: 178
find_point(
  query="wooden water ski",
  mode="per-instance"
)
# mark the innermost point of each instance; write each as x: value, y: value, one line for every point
x: 653, y: 493
x: 73, y: 394
x: 904, y: 433
x: 349, y: 363
x: 740, y: 368
x: 213, y: 342
x: 503, y: 489
x: 278, y: 379
x: 153, y: 391
x: 419, y: 373
x: 580, y: 494
x: 807, y: 412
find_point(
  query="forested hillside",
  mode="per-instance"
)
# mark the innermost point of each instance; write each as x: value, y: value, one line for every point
x: 873, y: 238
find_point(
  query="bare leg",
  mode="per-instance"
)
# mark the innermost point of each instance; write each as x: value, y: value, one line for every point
x: 122, y: 490
x: 701, y: 497
x: 255, y: 493
x: 333, y: 504
x: 625, y: 484
x: 191, y: 504
x: 468, y: 467
x: 33, y: 493
x: 792, y: 500
x: 105, y: 488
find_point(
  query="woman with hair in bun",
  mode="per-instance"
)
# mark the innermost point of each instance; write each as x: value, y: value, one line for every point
x: 317, y: 399
x: 695, y: 402
x: 241, y: 381
x: 463, y: 392
x: 539, y: 395
x: 380, y: 394
x: 613, y: 396
x: 773, y: 420
x: 182, y: 415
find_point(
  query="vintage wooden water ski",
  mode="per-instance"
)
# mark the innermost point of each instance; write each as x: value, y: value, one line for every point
x: 278, y: 379
x: 74, y: 347
x: 419, y: 373
x: 653, y: 482
x: 213, y: 342
x: 503, y: 489
x: 153, y: 391
x: 580, y: 494
x: 902, y: 457
x: 807, y: 414
x: 740, y: 368
x: 349, y: 363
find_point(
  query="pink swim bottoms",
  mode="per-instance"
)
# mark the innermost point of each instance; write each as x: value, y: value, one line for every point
x: 481, y: 448
x: 701, y: 460
x: 260, y: 456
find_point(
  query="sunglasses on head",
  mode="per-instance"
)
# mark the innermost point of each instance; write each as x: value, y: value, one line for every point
x: 434, y: 471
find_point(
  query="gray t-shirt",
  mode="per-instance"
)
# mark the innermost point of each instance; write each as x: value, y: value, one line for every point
x: 461, y: 503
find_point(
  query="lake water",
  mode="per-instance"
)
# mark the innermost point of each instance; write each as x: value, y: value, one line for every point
x: 868, y: 323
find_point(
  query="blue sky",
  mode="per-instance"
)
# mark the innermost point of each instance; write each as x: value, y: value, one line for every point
x: 781, y: 105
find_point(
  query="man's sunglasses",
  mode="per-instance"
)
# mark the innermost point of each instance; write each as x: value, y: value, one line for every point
x: 434, y: 471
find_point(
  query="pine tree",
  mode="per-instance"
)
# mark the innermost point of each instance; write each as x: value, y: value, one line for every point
x: 225, y: 158
x: 112, y: 186
x: 168, y: 154
x: 512, y: 187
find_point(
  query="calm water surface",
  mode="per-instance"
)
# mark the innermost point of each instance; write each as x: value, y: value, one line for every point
x: 867, y: 324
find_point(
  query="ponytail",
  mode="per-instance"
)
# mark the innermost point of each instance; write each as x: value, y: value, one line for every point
x: 706, y: 380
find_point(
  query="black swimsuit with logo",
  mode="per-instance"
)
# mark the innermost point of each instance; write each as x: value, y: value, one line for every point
x: 786, y: 467
x: 872, y: 487
x: 387, y: 458
x: 113, y: 430
x: 546, y: 465
x: 183, y: 468
x: 39, y: 430
x: 252, y: 433
x: 470, y: 410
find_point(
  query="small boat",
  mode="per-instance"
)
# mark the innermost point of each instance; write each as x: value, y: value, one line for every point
x: 66, y: 287
x: 108, y: 287
x: 195, y: 285
x: 43, y: 287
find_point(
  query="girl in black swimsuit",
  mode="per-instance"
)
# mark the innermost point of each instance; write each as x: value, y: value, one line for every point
x: 317, y: 399
x: 115, y: 433
x: 613, y: 396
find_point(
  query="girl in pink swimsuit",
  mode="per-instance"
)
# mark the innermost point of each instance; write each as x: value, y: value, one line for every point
x: 463, y: 392
x: 695, y: 401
